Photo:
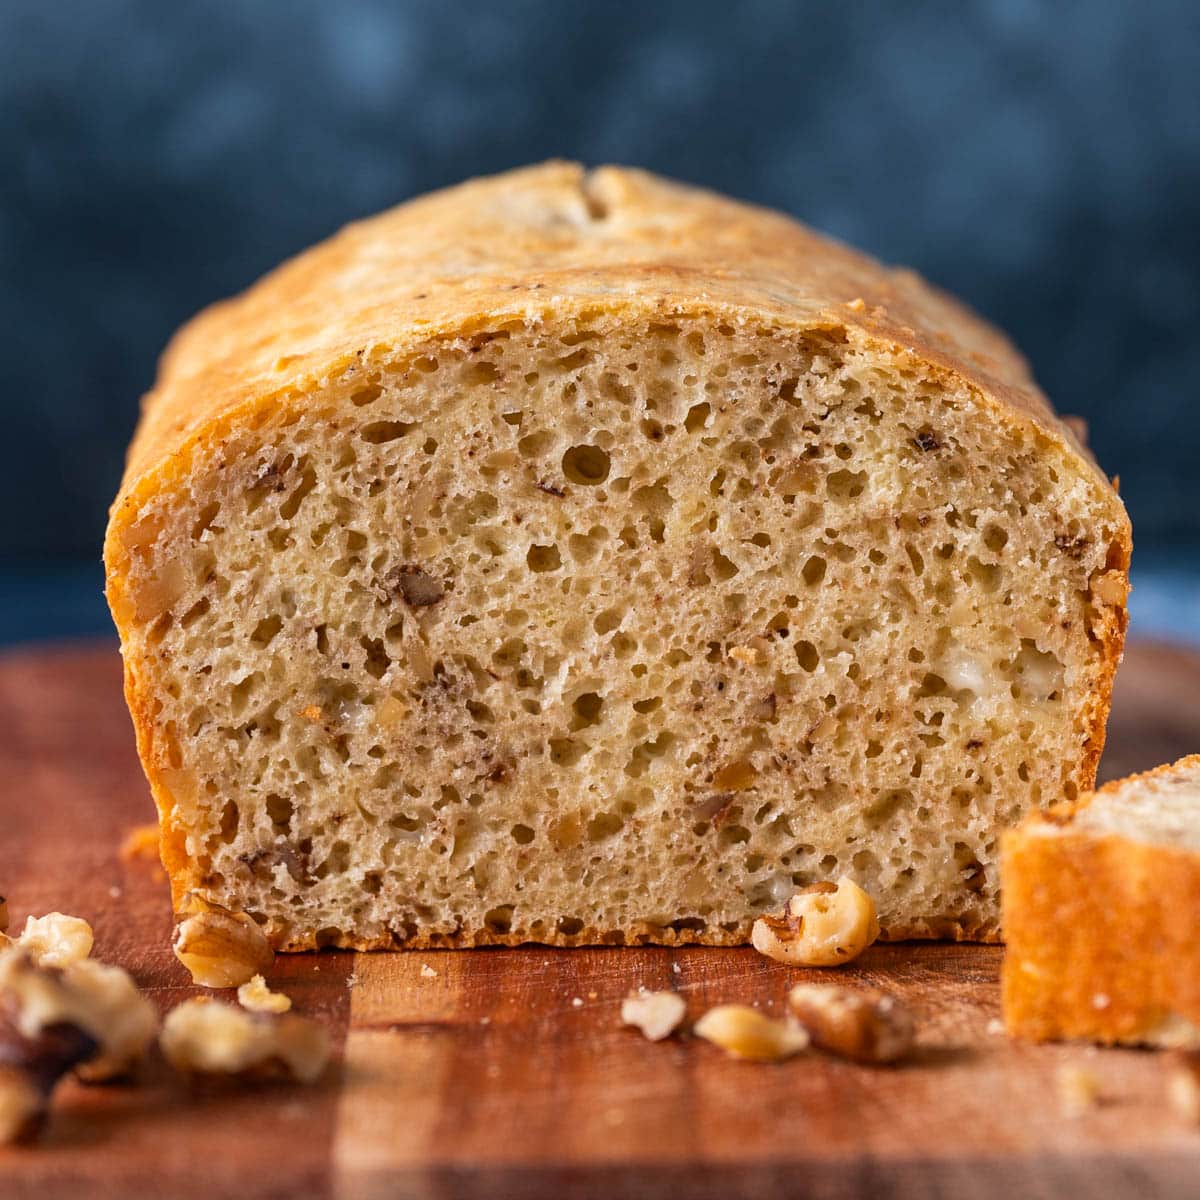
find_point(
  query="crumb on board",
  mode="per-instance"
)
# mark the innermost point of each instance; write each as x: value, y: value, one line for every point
x: 141, y: 842
x: 656, y: 1014
x: 1183, y: 1086
x: 256, y: 996
x: 1078, y: 1090
x: 427, y: 972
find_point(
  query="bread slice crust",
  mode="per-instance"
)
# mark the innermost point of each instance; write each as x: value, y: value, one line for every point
x: 1101, y: 929
x: 554, y: 249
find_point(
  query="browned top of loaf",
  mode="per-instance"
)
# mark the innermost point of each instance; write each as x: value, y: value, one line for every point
x: 556, y: 243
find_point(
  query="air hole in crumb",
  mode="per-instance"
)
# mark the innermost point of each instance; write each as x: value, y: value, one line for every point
x: 587, y: 709
x: 995, y: 538
x: 607, y: 621
x: 367, y: 395
x: 522, y: 834
x: 208, y: 514
x: 280, y: 809
x: 499, y: 920
x: 735, y: 776
x: 814, y: 570
x: 722, y: 567
x: 194, y: 613
x: 379, y: 432
x: 482, y: 372
x: 378, y: 660
x: 534, y: 445
x: 585, y: 464
x: 604, y: 825
x: 266, y: 630
x: 543, y: 558
x: 807, y: 656
x: 230, y: 816
x: 566, y: 752
x: 291, y: 506
x: 846, y: 485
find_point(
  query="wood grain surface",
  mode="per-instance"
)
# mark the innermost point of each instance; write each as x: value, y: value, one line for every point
x: 496, y: 1073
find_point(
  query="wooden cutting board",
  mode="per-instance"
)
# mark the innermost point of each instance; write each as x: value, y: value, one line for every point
x: 495, y: 1073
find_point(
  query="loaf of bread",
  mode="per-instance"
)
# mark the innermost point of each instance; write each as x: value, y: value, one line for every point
x: 1101, y: 913
x: 578, y: 557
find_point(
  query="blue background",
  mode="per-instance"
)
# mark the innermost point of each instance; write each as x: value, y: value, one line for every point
x: 1041, y: 160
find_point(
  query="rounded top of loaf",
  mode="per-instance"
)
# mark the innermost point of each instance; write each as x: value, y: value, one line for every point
x: 551, y: 244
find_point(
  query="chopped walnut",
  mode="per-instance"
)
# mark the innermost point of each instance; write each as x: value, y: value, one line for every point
x: 865, y: 1026
x: 825, y: 925
x: 207, y: 1037
x: 220, y: 948
x: 1078, y: 1090
x: 23, y: 1104
x: 1183, y: 1086
x: 87, y: 1017
x: 56, y: 940
x: 257, y: 997
x: 140, y: 842
x: 744, y: 1032
x: 656, y: 1014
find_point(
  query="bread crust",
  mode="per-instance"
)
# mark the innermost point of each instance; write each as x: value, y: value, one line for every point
x: 1101, y: 931
x: 553, y: 245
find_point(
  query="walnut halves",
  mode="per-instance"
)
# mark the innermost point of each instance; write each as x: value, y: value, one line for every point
x: 220, y: 948
x: 85, y: 1017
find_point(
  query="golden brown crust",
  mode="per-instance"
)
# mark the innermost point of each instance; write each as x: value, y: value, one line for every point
x: 1100, y: 930
x: 555, y: 245
x: 516, y: 246
x: 641, y: 935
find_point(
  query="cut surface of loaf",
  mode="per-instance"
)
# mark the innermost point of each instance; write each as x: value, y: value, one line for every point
x: 578, y: 557
x: 1101, y: 909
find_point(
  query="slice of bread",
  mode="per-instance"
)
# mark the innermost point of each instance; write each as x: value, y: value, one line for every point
x: 1101, y: 913
x: 580, y: 557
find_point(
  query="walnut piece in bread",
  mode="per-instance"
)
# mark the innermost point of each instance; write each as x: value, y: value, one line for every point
x: 1101, y: 904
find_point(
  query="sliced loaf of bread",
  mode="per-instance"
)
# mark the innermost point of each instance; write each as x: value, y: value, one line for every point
x: 579, y: 557
x: 1102, y: 912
